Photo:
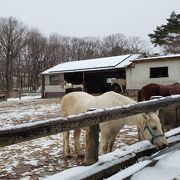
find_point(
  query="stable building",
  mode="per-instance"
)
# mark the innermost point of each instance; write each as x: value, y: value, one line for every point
x: 93, y: 75
x: 163, y: 70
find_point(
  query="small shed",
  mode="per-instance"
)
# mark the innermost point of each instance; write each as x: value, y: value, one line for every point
x: 161, y: 70
x: 94, y: 75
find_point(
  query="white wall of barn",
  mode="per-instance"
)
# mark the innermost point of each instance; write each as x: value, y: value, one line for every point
x: 53, y: 88
x: 139, y: 75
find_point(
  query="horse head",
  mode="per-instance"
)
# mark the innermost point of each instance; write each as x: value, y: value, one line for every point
x: 66, y: 85
x: 152, y: 130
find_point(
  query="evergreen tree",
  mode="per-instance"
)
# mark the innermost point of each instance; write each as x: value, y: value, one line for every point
x: 168, y: 36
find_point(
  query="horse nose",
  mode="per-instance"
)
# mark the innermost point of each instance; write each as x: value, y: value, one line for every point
x: 162, y: 146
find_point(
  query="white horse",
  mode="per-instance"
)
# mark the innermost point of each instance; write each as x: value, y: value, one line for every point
x: 67, y: 85
x: 79, y: 102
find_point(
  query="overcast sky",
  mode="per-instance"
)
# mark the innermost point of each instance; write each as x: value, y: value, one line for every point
x: 91, y: 17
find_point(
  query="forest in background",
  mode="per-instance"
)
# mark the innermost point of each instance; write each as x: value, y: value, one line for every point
x: 26, y: 52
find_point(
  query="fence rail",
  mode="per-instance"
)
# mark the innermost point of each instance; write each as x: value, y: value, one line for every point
x: 39, y: 129
x: 122, y: 161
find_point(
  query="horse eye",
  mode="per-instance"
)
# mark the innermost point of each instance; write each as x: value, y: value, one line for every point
x: 154, y: 128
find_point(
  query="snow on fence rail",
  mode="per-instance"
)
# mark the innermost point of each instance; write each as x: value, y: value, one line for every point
x: 121, y: 161
x: 29, y: 131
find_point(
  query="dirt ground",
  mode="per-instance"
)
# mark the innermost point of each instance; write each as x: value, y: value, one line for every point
x: 39, y: 158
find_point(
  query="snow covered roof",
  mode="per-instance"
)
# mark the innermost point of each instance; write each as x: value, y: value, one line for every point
x: 93, y: 64
x: 157, y: 58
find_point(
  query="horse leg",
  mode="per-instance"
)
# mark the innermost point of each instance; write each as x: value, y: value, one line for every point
x: 107, y: 144
x: 110, y: 144
x: 76, y: 142
x: 66, y: 144
x: 107, y: 140
x: 104, y: 146
x: 140, y: 138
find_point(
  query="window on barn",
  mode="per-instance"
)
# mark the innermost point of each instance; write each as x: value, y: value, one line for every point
x: 55, y: 79
x: 159, y: 72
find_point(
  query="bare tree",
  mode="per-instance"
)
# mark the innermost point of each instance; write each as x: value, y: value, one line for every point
x: 115, y: 44
x: 12, y: 33
x: 89, y: 48
x: 36, y: 48
x: 56, y: 51
x: 138, y: 45
x: 2, y: 72
x: 25, y: 53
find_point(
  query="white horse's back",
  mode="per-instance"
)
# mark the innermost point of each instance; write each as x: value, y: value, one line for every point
x: 79, y: 102
x: 75, y: 103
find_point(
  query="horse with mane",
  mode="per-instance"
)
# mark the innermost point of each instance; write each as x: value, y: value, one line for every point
x: 69, y: 87
x: 79, y: 102
x: 153, y: 89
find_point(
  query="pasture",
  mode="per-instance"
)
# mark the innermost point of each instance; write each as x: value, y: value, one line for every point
x: 42, y: 157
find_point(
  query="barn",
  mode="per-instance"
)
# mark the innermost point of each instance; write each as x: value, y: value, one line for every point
x: 93, y: 75
x: 126, y: 72
x: 161, y: 70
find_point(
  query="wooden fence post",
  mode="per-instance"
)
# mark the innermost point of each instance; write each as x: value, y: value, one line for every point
x: 92, y: 145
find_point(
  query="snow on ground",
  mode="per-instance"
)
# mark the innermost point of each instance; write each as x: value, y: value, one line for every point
x: 105, y: 161
x: 42, y: 157
x: 16, y: 112
x: 166, y: 168
x: 25, y: 98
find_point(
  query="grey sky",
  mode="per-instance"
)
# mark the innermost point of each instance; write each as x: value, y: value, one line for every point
x: 91, y: 17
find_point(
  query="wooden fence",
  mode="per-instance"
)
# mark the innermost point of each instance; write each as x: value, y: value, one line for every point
x: 29, y: 131
x: 123, y: 159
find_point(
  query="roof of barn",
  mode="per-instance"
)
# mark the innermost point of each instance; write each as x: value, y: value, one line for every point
x: 166, y: 57
x: 93, y: 64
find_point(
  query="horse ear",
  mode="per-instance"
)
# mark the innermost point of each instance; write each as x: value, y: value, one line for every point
x: 157, y: 112
x: 146, y: 116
